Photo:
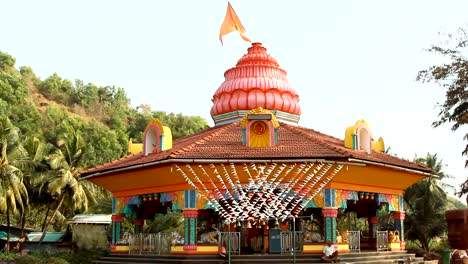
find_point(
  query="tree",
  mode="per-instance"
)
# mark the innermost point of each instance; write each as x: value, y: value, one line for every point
x: 64, y: 184
x: 6, y: 61
x: 426, y: 204
x: 13, y: 193
x: 453, y: 77
x: 34, y: 176
x: 181, y: 125
x: 169, y: 222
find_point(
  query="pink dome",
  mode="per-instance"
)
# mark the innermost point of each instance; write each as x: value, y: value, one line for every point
x: 256, y: 81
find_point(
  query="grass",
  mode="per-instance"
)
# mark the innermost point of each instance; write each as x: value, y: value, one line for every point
x: 43, y: 257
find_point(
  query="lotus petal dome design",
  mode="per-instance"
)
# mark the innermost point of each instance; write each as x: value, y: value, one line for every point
x: 255, y: 81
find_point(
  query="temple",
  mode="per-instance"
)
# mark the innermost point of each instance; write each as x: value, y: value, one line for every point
x: 257, y: 181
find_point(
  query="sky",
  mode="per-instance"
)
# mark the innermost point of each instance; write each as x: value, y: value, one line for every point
x: 348, y: 60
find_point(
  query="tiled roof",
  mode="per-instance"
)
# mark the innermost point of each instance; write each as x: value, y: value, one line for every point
x: 225, y: 142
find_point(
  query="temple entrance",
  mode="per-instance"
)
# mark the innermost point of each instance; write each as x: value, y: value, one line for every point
x: 255, y: 239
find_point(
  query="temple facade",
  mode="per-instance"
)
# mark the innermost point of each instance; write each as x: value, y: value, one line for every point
x: 259, y: 182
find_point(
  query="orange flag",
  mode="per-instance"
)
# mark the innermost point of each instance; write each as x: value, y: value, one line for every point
x: 231, y: 23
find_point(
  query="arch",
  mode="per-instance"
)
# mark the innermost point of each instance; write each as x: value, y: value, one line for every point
x: 364, y: 139
x: 152, y: 137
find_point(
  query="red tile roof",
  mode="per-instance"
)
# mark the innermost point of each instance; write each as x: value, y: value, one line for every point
x: 225, y: 142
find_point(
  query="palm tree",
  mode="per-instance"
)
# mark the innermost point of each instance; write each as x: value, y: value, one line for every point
x: 13, y: 157
x: 426, y: 201
x: 37, y: 151
x: 64, y: 184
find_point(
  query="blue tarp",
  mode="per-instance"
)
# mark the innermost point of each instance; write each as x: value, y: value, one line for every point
x: 49, y: 237
x: 3, y: 236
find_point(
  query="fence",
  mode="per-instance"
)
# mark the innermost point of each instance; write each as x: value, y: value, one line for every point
x: 354, y: 240
x: 159, y: 243
x: 288, y: 243
x: 382, y: 240
x: 235, y: 241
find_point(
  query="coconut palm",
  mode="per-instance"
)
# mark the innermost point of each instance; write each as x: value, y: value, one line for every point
x: 38, y: 151
x: 64, y: 183
x: 426, y: 201
x: 13, y: 157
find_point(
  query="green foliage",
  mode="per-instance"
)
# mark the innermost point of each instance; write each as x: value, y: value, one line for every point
x: 454, y: 203
x: 6, y: 61
x: 56, y: 260
x: 181, y: 125
x: 43, y: 113
x: 426, y: 205
x: 84, y: 256
x: 29, y: 75
x: 350, y: 221
x: 56, y: 88
x: 13, y: 193
x: 90, y: 237
x: 169, y: 222
x: 12, y: 88
x: 28, y: 259
x: 5, y: 256
x: 453, y: 78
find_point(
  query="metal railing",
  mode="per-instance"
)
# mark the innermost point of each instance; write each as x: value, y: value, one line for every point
x: 382, y: 240
x: 159, y: 243
x: 354, y: 240
x: 234, y: 242
x: 288, y: 243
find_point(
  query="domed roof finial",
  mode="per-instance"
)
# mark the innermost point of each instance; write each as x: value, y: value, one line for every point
x: 255, y: 81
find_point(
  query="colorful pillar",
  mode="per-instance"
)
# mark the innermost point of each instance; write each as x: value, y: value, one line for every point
x: 373, y: 222
x: 138, y: 225
x: 330, y: 215
x: 190, y: 220
x: 399, y: 225
x: 116, y: 227
x: 190, y: 227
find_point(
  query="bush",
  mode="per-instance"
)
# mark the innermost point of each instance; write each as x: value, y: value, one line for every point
x: 7, y: 256
x: 57, y: 260
x: 28, y: 259
x: 85, y: 256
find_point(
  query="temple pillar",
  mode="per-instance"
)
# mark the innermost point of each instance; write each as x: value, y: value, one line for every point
x: 373, y: 222
x: 190, y: 227
x: 330, y: 215
x: 138, y: 225
x: 399, y: 218
x: 190, y: 213
x: 116, y: 227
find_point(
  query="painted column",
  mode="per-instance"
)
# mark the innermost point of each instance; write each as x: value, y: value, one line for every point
x: 373, y: 222
x: 138, y: 225
x: 190, y: 220
x: 399, y: 225
x: 116, y: 227
x: 190, y: 228
x: 329, y: 213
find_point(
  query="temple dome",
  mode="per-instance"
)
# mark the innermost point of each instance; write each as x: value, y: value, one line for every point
x: 255, y: 81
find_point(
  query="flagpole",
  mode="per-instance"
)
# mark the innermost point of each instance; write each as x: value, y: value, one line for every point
x: 229, y: 243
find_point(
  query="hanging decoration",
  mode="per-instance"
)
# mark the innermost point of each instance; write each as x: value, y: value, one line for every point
x: 271, y: 191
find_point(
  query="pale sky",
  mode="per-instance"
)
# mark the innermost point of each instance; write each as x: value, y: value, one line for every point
x: 347, y: 59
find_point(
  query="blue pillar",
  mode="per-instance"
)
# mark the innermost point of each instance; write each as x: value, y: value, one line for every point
x: 190, y: 220
x: 116, y: 227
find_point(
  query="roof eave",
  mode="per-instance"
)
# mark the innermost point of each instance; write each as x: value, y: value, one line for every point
x: 256, y: 160
x: 425, y: 173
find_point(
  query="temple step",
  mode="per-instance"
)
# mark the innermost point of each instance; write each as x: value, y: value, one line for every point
x: 363, y: 258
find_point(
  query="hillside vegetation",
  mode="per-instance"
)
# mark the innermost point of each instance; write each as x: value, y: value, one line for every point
x: 52, y: 129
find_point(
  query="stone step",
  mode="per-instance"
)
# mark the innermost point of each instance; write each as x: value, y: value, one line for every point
x: 350, y: 258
